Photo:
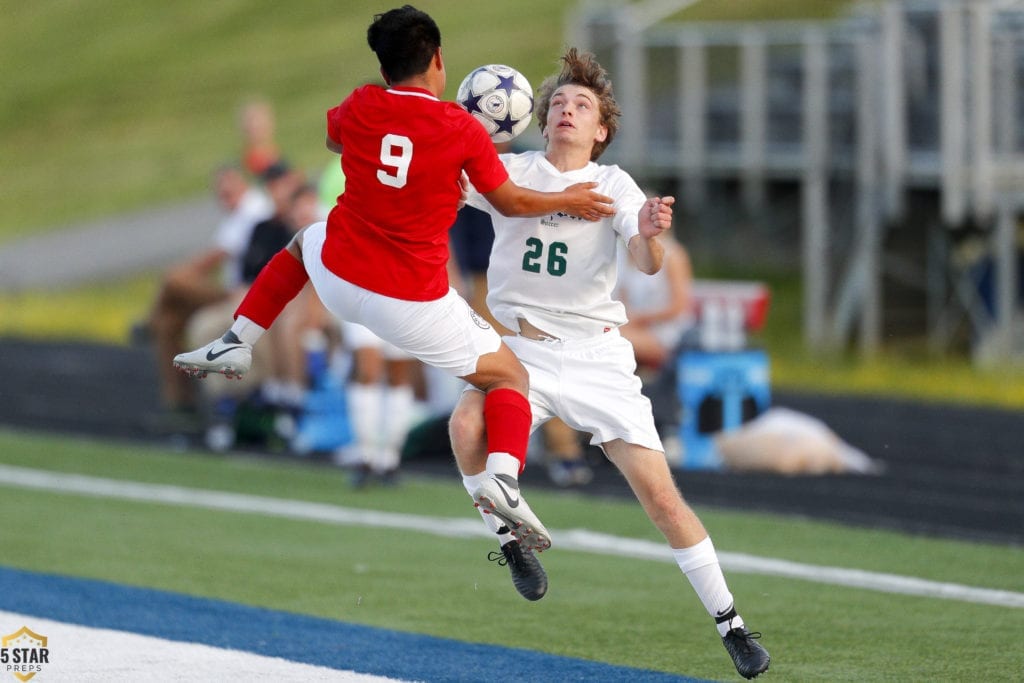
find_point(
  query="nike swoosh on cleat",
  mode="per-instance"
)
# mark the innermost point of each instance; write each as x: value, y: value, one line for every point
x: 504, y: 480
x: 210, y: 355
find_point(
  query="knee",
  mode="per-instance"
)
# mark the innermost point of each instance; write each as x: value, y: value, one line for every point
x: 668, y: 506
x: 466, y: 429
x: 519, y: 378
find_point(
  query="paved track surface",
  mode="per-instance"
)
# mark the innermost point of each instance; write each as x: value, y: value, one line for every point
x: 950, y: 471
x: 107, y: 248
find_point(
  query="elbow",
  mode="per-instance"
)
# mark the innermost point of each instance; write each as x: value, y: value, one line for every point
x: 506, y: 210
x: 648, y: 267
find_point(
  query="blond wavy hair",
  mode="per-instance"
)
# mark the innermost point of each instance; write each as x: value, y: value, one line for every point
x: 583, y: 69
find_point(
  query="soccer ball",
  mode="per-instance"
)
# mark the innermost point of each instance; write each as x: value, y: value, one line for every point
x: 500, y: 98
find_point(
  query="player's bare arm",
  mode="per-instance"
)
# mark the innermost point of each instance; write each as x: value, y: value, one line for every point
x: 655, y: 217
x: 578, y: 200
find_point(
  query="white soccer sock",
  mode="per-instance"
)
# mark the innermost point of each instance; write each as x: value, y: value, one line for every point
x: 700, y: 564
x: 365, y: 411
x: 385, y: 459
x: 397, y: 411
x: 293, y: 394
x: 503, y: 463
x: 471, y: 482
x: 394, y: 406
x: 246, y: 330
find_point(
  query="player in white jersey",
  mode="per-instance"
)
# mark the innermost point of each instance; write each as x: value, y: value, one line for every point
x: 545, y: 283
x: 551, y: 280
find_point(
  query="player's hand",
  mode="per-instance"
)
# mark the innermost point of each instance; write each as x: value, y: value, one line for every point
x: 656, y: 216
x: 463, y: 189
x: 583, y: 202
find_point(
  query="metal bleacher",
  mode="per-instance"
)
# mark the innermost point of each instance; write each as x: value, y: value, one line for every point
x: 897, y: 124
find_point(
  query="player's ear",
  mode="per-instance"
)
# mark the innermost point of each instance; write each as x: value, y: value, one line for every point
x: 602, y: 134
x: 438, y: 59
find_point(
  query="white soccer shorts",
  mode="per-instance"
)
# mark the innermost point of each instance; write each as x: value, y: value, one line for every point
x: 444, y: 333
x: 591, y: 385
x: 355, y: 336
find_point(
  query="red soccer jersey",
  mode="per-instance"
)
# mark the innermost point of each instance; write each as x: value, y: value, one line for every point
x: 403, y: 153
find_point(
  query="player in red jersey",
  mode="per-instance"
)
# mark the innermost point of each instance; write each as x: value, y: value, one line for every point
x: 380, y: 258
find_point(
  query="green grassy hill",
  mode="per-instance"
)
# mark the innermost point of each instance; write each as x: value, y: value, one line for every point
x: 111, y: 105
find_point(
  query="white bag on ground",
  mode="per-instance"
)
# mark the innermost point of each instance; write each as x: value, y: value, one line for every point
x: 789, y: 442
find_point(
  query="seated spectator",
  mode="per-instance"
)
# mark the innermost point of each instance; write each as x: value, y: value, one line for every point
x: 278, y: 375
x: 658, y: 306
x: 257, y: 126
x: 564, y: 455
x: 204, y: 279
x: 281, y: 182
x: 660, y: 317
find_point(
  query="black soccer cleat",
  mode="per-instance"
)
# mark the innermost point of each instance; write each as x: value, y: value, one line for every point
x: 750, y: 658
x: 528, y: 576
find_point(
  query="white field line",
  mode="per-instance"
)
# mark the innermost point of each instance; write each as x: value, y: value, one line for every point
x: 573, y: 539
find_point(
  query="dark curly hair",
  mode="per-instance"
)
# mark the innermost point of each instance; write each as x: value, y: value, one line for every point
x: 582, y: 68
x: 405, y: 40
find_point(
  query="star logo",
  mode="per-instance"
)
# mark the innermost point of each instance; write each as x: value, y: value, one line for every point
x: 506, y: 83
x: 505, y: 125
x: 472, y: 104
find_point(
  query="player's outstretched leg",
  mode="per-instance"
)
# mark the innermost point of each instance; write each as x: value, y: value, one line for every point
x: 280, y: 281
x: 750, y: 658
x: 229, y: 356
x: 528, y: 576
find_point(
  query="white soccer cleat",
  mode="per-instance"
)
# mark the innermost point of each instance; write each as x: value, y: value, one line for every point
x: 499, y: 496
x: 229, y: 356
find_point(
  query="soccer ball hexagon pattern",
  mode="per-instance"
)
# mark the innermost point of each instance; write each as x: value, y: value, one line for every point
x: 500, y: 98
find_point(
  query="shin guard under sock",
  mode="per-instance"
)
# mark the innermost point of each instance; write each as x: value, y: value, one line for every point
x: 507, y: 417
x: 279, y: 282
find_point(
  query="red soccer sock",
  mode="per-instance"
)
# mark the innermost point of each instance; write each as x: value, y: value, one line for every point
x: 507, y: 418
x: 279, y: 282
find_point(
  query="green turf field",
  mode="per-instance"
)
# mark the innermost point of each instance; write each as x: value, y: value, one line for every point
x: 614, y: 609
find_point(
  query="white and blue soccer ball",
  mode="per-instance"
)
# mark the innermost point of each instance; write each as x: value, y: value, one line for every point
x: 500, y: 98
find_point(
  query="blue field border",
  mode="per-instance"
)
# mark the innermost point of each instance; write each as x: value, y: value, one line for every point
x: 299, y: 638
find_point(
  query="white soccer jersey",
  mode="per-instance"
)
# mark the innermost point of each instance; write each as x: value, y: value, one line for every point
x: 558, y: 272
